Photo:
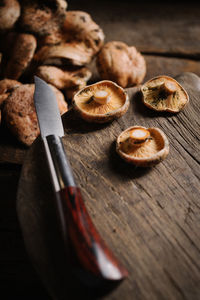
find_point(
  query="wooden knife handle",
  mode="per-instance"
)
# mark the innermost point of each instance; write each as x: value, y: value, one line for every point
x: 96, y: 263
x: 94, y: 257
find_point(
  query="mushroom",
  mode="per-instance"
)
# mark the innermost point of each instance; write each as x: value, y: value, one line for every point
x: 122, y: 64
x: 141, y: 146
x: 19, y: 112
x: 64, y: 79
x: 21, y: 55
x: 79, y: 26
x: 67, y: 53
x: 101, y: 102
x: 6, y: 86
x: 9, y: 13
x: 163, y: 93
x: 43, y: 17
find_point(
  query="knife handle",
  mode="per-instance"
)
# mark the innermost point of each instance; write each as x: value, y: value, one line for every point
x: 93, y: 255
x: 96, y: 263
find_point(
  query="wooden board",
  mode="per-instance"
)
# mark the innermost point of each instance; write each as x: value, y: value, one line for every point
x: 148, y: 217
x: 165, y: 28
x: 11, y: 151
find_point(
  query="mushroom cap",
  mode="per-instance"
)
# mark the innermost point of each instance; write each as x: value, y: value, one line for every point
x: 21, y: 55
x: 20, y: 115
x: 164, y: 93
x: 66, y: 53
x: 150, y: 153
x: 91, y: 111
x: 62, y: 104
x: 79, y: 26
x: 6, y: 86
x: 43, y: 17
x: 64, y: 78
x: 120, y: 63
x: 9, y: 13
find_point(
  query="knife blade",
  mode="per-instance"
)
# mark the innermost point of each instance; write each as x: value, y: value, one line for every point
x: 96, y: 265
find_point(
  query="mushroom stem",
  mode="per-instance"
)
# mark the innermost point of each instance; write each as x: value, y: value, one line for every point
x: 138, y: 136
x: 167, y: 87
x: 101, y: 97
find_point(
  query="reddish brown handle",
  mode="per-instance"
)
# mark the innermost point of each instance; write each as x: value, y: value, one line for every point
x: 93, y: 255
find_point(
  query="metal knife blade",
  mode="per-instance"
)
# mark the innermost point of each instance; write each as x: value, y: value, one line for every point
x: 47, y: 109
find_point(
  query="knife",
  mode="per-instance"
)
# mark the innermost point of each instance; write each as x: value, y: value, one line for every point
x: 95, y: 263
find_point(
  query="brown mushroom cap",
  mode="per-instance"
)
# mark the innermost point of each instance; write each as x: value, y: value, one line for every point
x: 43, y: 17
x: 63, y: 78
x: 6, y: 86
x: 163, y: 93
x: 79, y: 26
x: 62, y: 104
x: 21, y: 55
x: 149, y: 153
x: 122, y: 64
x: 9, y: 13
x: 20, y: 115
x: 68, y: 53
x: 92, y: 111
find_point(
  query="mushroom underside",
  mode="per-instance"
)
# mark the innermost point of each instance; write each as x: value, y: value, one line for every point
x: 164, y: 93
x: 149, y: 149
x: 86, y: 100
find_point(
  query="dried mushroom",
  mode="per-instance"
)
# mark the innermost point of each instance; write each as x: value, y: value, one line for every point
x: 143, y: 147
x: 79, y: 26
x: 64, y: 54
x: 20, y: 116
x: 6, y: 86
x: 164, y: 93
x: 122, y: 64
x: 21, y: 55
x: 101, y: 102
x: 9, y: 13
x: 64, y: 79
x: 43, y: 17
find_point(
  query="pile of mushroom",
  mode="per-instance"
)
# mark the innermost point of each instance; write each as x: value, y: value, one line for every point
x: 44, y: 39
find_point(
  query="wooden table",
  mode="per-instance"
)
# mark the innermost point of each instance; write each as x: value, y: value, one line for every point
x: 168, y: 35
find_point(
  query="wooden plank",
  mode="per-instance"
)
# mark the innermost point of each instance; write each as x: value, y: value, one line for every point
x: 149, y: 217
x: 152, y: 26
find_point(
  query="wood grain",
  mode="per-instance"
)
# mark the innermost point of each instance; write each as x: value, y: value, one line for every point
x: 165, y: 28
x: 148, y: 217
